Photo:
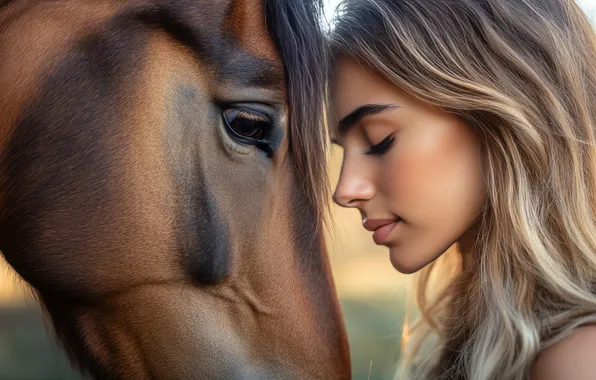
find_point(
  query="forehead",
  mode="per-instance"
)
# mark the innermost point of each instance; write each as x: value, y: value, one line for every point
x: 355, y: 84
x: 229, y: 35
x: 246, y: 22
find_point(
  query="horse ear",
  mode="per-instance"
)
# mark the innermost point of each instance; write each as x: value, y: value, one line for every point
x: 246, y: 22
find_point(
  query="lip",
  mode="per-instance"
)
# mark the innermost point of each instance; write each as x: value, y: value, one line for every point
x: 381, y: 227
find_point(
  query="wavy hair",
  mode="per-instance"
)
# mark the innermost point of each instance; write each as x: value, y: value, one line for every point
x: 521, y: 74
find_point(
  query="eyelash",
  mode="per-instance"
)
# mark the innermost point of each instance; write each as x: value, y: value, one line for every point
x: 381, y: 147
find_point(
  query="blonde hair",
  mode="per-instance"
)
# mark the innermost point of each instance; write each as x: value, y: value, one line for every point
x: 522, y: 74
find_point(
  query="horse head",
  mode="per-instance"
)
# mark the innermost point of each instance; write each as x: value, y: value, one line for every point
x: 162, y: 184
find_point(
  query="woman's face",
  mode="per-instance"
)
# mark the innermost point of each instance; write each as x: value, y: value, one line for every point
x: 413, y: 170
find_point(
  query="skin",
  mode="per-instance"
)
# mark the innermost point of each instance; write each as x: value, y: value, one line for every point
x: 571, y: 358
x: 429, y: 177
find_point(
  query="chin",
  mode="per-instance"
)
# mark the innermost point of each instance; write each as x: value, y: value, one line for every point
x: 408, y: 263
x: 405, y: 265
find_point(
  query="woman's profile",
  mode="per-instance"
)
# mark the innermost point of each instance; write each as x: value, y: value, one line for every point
x: 468, y: 130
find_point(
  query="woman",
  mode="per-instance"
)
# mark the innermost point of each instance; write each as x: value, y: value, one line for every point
x: 469, y: 147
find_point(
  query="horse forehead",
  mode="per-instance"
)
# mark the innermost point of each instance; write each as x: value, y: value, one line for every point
x: 247, y: 24
x: 240, y: 21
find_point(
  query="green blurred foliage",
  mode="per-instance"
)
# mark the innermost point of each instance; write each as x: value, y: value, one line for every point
x: 27, y: 352
x: 374, y: 331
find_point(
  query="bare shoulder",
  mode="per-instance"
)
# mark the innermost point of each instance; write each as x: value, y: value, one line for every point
x: 572, y: 358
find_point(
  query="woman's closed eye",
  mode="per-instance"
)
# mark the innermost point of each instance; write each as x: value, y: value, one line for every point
x: 381, y: 147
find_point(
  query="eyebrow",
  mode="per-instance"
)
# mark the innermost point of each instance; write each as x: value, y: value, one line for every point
x: 360, y: 113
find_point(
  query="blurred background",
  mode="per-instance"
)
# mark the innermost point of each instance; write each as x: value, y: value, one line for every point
x: 372, y: 296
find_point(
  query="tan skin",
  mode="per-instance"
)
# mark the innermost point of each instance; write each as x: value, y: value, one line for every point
x: 428, y: 177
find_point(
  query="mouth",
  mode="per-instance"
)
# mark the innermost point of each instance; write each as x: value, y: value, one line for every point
x: 381, y: 228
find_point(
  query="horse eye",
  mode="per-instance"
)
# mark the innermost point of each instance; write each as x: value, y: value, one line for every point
x: 247, y: 124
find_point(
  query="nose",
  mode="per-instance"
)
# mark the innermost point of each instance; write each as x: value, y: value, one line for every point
x: 355, y: 184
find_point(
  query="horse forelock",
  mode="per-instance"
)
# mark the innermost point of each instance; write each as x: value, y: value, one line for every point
x: 296, y: 29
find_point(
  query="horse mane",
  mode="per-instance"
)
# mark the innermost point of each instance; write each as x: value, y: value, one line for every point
x: 297, y: 31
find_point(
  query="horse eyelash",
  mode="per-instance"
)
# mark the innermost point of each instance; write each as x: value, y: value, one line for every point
x: 253, y: 115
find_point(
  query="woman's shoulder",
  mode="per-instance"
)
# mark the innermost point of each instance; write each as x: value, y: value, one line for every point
x: 571, y: 358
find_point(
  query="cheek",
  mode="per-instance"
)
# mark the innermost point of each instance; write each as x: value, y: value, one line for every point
x: 436, y: 186
x: 437, y: 179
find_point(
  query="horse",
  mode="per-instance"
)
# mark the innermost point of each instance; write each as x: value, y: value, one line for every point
x: 162, y: 185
